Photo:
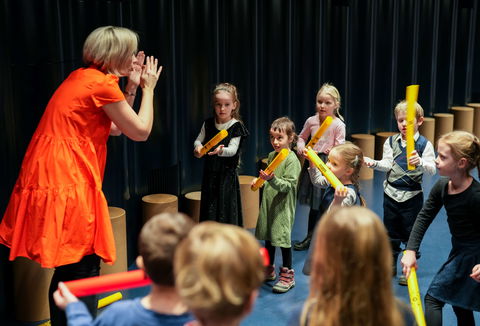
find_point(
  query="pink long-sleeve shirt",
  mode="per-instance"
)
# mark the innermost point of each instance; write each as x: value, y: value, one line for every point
x: 334, y: 135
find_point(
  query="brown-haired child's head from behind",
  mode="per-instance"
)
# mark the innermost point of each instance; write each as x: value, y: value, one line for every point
x: 218, y: 269
x: 157, y: 243
x: 352, y: 255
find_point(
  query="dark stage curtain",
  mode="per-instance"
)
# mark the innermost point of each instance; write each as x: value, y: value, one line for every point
x: 277, y: 52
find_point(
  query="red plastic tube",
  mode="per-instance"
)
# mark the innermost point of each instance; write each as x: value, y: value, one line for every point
x: 105, y: 283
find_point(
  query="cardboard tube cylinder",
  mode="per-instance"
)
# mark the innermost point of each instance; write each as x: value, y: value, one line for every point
x: 380, y: 139
x: 443, y: 124
x: 250, y: 202
x: 476, y: 118
x: 30, y: 290
x: 463, y: 118
x: 119, y: 226
x: 366, y: 143
x: 158, y: 203
x: 192, y: 203
x: 427, y: 129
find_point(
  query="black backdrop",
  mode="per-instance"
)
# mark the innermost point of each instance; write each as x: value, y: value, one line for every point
x: 277, y: 52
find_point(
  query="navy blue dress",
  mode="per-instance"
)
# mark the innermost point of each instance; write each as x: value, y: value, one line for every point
x: 452, y: 284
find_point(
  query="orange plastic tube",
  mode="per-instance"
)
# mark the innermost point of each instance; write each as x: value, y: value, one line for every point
x: 106, y: 283
x: 270, y: 168
x: 214, y: 141
x: 324, y: 126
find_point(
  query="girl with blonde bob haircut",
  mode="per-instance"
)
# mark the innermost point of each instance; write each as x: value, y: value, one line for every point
x: 218, y: 269
x: 351, y: 272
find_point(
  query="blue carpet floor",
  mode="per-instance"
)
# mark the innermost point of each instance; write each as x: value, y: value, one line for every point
x: 275, y: 309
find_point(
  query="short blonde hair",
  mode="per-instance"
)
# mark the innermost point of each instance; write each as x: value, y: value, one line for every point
x: 331, y: 90
x: 463, y: 145
x: 110, y: 48
x: 217, y: 268
x: 402, y: 107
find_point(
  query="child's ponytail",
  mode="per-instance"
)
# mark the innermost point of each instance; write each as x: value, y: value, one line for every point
x: 466, y: 145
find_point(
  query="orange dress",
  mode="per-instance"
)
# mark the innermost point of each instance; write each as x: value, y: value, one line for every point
x: 57, y: 211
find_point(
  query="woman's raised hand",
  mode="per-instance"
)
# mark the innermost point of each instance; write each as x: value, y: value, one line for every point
x: 150, y: 74
x: 136, y: 72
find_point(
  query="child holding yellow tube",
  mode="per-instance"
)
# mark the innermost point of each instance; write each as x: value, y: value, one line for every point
x: 344, y: 161
x: 220, y: 187
x: 403, y: 195
x: 457, y: 281
x: 277, y: 211
x: 327, y: 104
x: 157, y: 244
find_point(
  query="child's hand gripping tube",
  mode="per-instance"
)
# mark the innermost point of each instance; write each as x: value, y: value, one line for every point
x: 106, y: 283
x: 214, y: 141
x: 415, y: 299
x: 332, y: 178
x: 271, y: 167
x: 324, y: 126
x: 411, y: 97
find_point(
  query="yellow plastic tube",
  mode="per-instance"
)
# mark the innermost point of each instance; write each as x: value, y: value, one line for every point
x: 415, y: 299
x: 324, y: 126
x: 214, y: 141
x: 412, y: 95
x: 109, y: 300
x: 317, y: 161
x: 271, y: 167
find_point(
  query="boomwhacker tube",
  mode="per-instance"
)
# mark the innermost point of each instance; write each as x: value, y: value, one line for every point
x: 411, y: 97
x: 214, y: 141
x: 109, y: 300
x: 324, y: 126
x: 271, y: 167
x: 415, y: 299
x: 332, y: 178
x: 119, y: 281
x: 106, y: 283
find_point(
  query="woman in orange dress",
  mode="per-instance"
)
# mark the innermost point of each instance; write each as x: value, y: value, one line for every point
x: 57, y: 214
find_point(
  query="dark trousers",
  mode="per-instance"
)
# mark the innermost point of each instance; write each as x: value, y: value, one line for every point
x: 89, y: 266
x: 433, y: 313
x: 286, y: 255
x: 398, y: 218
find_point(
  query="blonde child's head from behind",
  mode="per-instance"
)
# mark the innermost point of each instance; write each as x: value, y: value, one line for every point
x: 328, y: 101
x: 110, y: 48
x: 218, y: 270
x: 351, y: 257
x: 157, y: 242
x: 225, y: 97
x: 464, y: 147
x: 352, y: 156
x: 282, y: 133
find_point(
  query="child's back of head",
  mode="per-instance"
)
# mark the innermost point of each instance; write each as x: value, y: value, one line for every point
x: 218, y: 270
x: 157, y: 242
x: 352, y: 256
